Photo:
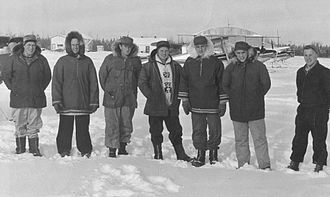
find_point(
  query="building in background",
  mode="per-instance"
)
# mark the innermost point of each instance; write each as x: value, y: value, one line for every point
x: 57, y: 42
x: 146, y: 44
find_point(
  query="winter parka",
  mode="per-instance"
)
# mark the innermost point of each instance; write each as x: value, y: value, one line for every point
x: 75, y: 83
x: 201, y: 81
x: 313, y: 87
x: 150, y: 84
x: 246, y: 85
x: 27, y: 82
x: 119, y: 78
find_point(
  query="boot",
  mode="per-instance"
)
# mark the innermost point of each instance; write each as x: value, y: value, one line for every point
x: 181, y: 154
x: 158, y: 151
x: 294, y: 165
x: 200, y: 160
x: 213, y: 156
x: 20, y: 145
x: 112, y: 152
x: 122, y: 149
x: 34, y: 146
x: 318, y: 168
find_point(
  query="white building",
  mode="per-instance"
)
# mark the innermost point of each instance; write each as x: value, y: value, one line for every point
x: 146, y: 44
x: 58, y: 42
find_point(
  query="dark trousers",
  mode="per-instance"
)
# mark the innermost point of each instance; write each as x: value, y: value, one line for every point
x: 65, y: 131
x: 173, y: 126
x: 200, y: 122
x: 314, y: 119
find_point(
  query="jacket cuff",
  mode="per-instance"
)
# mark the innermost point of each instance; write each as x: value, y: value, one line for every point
x: 223, y: 98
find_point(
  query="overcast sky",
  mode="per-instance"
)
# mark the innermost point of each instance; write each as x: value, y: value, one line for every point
x: 296, y: 21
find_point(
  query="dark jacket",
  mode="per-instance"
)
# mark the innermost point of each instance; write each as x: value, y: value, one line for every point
x: 150, y: 84
x: 74, y: 83
x: 246, y: 85
x: 313, y: 87
x: 119, y: 78
x: 201, y: 81
x: 3, y: 60
x: 27, y: 82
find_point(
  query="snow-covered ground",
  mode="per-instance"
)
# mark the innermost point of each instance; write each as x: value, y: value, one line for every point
x: 140, y: 175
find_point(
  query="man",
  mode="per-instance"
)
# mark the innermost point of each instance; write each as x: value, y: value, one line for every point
x: 246, y: 81
x: 159, y: 82
x: 27, y: 75
x: 9, y: 51
x: 75, y: 95
x: 202, y: 94
x: 118, y: 78
x: 313, y: 92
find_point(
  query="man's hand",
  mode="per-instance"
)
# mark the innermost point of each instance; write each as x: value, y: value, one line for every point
x: 58, y: 107
x: 186, y: 106
x: 222, y: 109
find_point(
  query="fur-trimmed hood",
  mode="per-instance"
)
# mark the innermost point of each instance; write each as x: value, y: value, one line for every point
x: 209, y: 49
x: 69, y: 37
x: 117, y: 52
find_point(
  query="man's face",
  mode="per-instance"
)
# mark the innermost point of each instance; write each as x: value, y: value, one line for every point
x: 310, y: 57
x: 163, y: 53
x: 29, y: 48
x: 241, y: 55
x: 75, y: 45
x: 200, y: 49
x: 125, y: 49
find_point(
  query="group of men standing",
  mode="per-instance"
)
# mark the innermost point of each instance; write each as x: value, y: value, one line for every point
x: 203, y: 85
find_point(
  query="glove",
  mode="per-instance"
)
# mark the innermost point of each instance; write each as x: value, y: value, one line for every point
x: 93, y: 108
x: 58, y: 107
x: 186, y: 106
x: 222, y: 109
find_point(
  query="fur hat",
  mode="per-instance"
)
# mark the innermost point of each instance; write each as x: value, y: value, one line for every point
x: 29, y: 38
x: 126, y: 41
x: 163, y: 43
x: 200, y: 40
x: 241, y: 46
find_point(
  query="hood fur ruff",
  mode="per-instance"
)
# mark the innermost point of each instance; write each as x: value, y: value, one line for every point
x: 69, y: 37
x: 117, y: 52
x: 209, y: 49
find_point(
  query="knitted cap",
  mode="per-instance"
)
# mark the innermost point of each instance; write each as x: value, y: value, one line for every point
x: 241, y: 46
x: 29, y: 38
x: 163, y: 43
x: 200, y: 40
x: 126, y: 40
x: 311, y: 47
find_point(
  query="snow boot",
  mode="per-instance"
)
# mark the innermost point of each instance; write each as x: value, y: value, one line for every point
x: 34, y: 146
x: 180, y: 153
x: 88, y: 154
x: 318, y: 168
x: 213, y: 156
x: 294, y: 165
x: 200, y: 160
x: 158, y: 151
x: 20, y: 145
x: 122, y: 149
x: 112, y: 152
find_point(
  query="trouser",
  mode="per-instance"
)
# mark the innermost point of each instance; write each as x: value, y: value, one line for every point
x: 65, y: 131
x: 200, y: 122
x: 258, y: 132
x: 27, y: 121
x: 314, y: 119
x: 173, y: 126
x: 118, y: 125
